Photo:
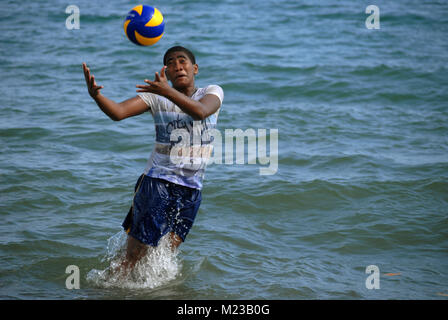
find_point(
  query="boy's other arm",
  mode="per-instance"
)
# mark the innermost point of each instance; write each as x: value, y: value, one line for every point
x: 198, y: 110
x: 116, y: 111
x: 119, y: 111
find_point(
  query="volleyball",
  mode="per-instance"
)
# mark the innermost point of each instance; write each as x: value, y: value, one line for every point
x: 144, y: 25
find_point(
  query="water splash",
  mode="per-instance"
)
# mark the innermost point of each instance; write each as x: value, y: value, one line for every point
x: 159, y: 266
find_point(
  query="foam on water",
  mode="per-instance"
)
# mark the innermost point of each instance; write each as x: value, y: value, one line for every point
x: 159, y: 266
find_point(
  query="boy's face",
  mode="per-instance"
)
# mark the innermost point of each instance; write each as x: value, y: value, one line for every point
x: 180, y: 70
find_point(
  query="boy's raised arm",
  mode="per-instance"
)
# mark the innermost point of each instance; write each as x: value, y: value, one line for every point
x: 116, y: 111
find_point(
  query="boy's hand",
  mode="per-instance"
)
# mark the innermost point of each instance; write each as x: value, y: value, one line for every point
x: 159, y: 86
x: 93, y: 88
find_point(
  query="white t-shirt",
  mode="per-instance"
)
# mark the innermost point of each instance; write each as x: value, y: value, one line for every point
x: 183, y: 145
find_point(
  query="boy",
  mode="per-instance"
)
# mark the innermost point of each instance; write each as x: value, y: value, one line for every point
x: 168, y: 194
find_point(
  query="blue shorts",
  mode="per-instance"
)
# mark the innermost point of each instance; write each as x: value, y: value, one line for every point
x: 160, y: 207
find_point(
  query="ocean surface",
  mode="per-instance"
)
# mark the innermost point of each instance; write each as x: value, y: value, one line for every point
x: 362, y: 151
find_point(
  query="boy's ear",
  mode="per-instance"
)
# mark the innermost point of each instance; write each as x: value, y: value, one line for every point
x: 196, y: 69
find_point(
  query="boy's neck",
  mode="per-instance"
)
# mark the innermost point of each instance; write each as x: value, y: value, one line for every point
x: 188, y: 91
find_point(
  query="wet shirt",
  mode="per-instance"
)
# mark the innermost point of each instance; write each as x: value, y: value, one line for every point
x: 183, y: 145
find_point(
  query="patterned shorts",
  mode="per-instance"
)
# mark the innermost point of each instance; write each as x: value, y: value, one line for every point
x: 160, y: 207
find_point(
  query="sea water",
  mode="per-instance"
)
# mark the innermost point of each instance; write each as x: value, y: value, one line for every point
x: 362, y: 155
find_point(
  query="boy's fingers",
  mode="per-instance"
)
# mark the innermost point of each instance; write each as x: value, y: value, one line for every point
x: 92, y: 81
x: 86, y: 74
x: 157, y: 76
x: 86, y: 77
x: 162, y: 71
x: 143, y: 88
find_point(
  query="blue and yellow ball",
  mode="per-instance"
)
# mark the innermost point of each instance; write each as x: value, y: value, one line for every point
x: 144, y: 25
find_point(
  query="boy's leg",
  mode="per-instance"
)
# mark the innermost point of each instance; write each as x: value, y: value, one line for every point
x: 175, y: 240
x: 135, y: 250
